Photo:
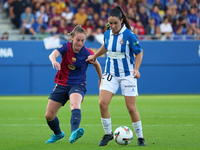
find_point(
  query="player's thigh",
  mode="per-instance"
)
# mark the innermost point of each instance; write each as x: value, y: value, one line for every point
x: 52, y: 109
x: 75, y: 100
x: 76, y: 95
x: 105, y: 98
x: 130, y: 102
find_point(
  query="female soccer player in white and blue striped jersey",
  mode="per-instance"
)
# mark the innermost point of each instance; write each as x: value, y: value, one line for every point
x: 121, y: 44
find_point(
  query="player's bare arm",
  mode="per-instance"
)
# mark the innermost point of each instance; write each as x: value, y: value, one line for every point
x: 53, y: 57
x: 97, y: 67
x: 100, y: 52
x: 138, y: 60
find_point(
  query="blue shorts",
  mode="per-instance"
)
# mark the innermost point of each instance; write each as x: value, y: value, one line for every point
x: 61, y: 93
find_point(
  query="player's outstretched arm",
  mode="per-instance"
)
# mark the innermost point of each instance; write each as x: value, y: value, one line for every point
x: 53, y: 57
x: 138, y: 61
x: 100, y: 52
x: 97, y: 67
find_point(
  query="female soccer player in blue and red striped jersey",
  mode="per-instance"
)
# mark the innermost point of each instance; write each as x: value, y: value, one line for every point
x: 122, y: 69
x: 70, y: 83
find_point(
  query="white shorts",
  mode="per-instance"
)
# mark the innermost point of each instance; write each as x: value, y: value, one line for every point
x: 128, y: 84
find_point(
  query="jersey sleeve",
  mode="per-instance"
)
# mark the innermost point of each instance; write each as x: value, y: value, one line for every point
x: 63, y: 48
x: 106, y: 37
x: 134, y: 44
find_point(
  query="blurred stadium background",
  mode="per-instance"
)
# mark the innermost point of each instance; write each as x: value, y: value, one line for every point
x: 169, y: 86
x: 171, y: 63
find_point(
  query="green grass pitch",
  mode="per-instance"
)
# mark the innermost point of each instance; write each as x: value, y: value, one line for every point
x: 170, y: 122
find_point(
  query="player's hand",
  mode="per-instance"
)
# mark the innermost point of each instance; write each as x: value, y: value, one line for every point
x: 90, y: 59
x: 136, y: 74
x: 56, y: 65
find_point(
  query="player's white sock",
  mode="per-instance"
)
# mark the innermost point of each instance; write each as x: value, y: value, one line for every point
x: 106, y: 122
x: 137, y: 126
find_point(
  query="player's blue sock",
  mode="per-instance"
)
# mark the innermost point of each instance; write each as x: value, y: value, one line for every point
x: 54, y: 125
x: 75, y: 119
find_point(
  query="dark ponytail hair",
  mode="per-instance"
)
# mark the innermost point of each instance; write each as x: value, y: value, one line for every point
x: 118, y: 12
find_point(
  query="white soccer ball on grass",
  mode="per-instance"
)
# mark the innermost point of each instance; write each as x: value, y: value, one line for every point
x: 123, y: 135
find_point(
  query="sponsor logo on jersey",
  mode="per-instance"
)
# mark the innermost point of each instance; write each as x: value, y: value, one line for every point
x: 73, y: 59
x: 121, y: 41
x: 71, y: 67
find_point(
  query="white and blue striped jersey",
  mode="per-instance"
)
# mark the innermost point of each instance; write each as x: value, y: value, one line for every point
x: 120, y: 52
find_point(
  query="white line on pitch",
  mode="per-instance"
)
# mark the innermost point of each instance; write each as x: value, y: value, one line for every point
x: 97, y: 117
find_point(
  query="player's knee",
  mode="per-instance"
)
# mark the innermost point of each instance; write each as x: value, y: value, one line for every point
x: 75, y: 106
x: 132, y: 110
x: 49, y: 116
x: 103, y: 105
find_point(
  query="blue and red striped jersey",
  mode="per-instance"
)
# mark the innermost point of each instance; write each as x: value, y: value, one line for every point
x: 73, y: 65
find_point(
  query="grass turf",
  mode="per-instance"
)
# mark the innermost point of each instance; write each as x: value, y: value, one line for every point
x: 170, y: 122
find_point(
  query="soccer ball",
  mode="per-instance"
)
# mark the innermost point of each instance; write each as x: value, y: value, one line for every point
x: 123, y: 135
